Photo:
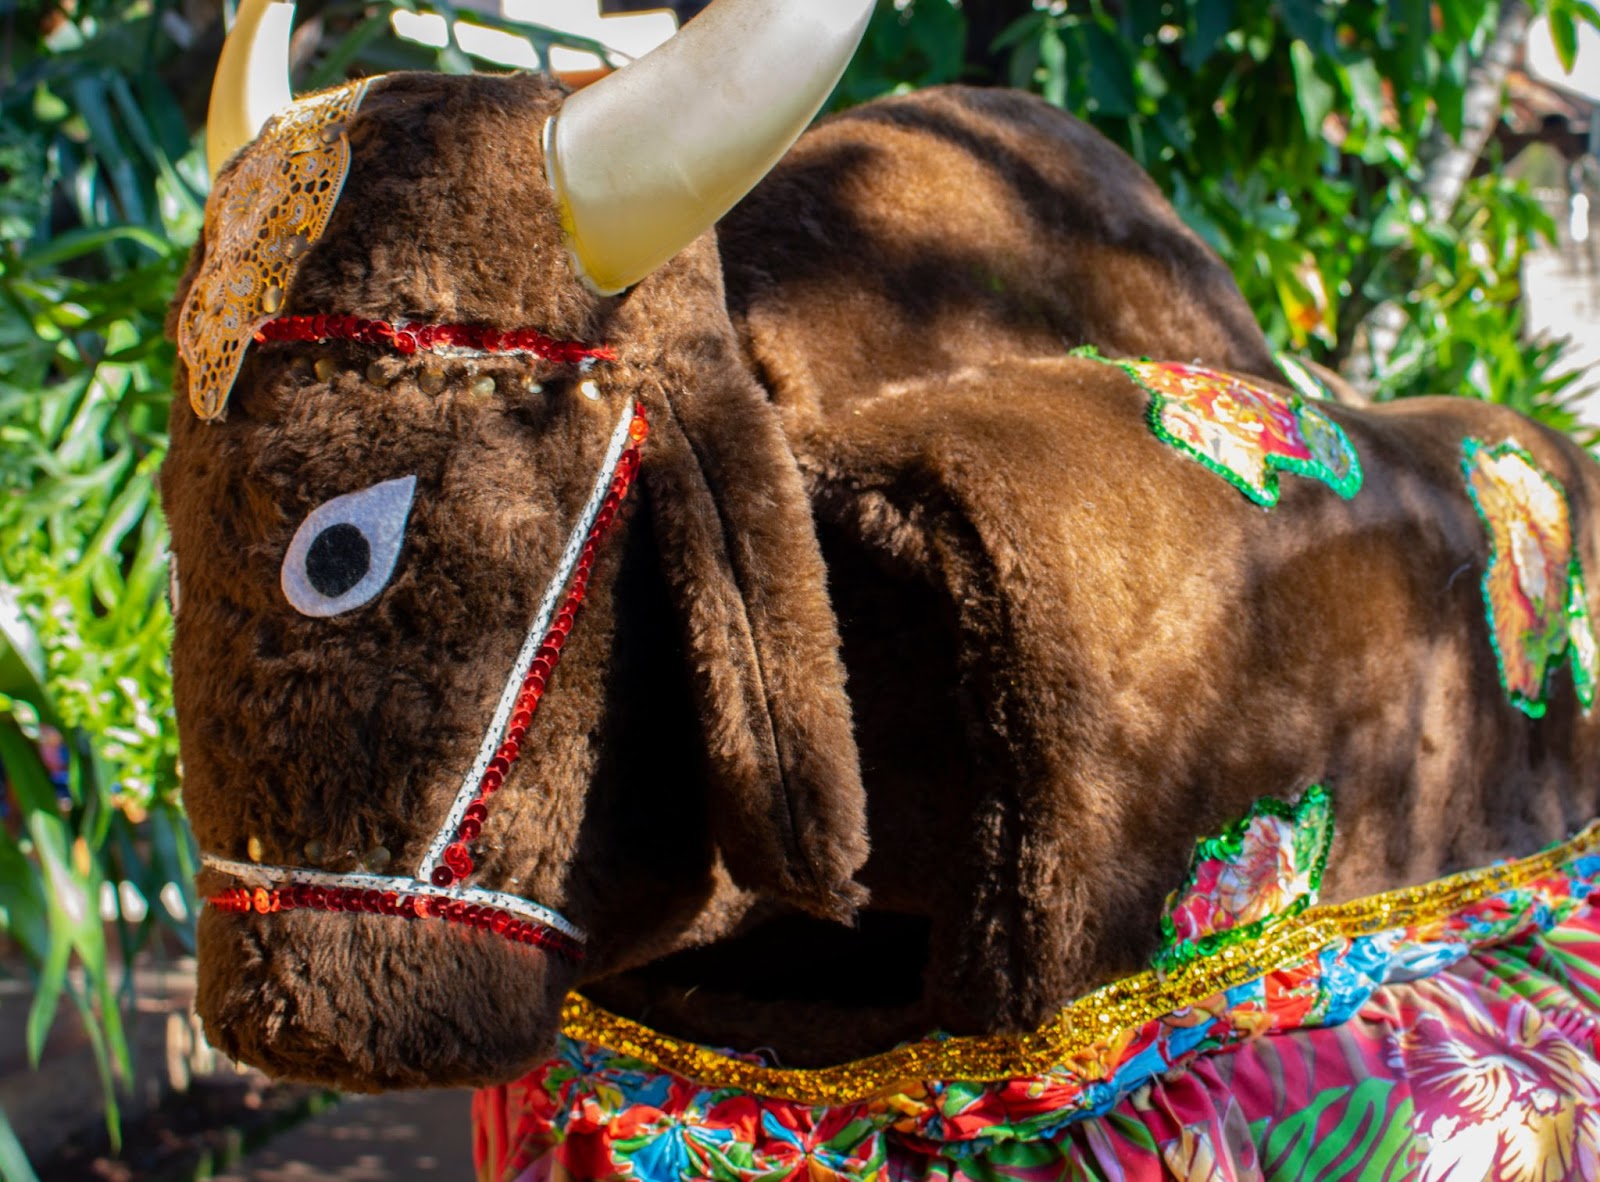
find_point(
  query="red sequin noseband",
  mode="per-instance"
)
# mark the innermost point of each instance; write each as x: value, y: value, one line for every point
x: 439, y: 889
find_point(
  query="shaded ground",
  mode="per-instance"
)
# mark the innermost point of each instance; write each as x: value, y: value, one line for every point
x: 240, y: 1128
x: 398, y: 1136
x: 190, y: 1113
x: 191, y: 1135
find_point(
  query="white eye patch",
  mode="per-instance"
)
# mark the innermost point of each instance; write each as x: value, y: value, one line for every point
x: 345, y: 550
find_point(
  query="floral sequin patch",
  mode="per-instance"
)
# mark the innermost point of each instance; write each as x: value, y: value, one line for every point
x: 261, y: 219
x: 1264, y: 868
x: 1245, y: 433
x: 1533, y: 586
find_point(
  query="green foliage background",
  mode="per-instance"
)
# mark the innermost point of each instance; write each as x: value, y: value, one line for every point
x: 1291, y: 134
x: 1296, y: 137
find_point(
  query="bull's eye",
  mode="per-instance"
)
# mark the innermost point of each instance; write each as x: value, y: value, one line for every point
x: 345, y: 550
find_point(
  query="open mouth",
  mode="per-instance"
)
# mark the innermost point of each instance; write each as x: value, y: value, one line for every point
x: 439, y: 888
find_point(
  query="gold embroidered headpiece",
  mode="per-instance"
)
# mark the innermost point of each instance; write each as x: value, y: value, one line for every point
x: 261, y: 219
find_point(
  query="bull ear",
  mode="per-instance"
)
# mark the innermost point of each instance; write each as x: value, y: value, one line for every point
x: 735, y: 531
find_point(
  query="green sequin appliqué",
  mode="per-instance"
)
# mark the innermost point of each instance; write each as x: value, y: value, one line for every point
x: 1259, y: 871
x: 1533, y: 586
x: 1244, y: 433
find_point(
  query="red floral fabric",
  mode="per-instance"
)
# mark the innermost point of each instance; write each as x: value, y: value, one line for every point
x: 1488, y: 1069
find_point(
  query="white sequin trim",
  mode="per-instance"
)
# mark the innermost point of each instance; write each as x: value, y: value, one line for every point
x: 530, y: 646
x: 278, y: 876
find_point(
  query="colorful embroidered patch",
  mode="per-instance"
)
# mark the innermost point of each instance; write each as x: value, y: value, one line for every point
x: 1243, y: 432
x: 1533, y: 586
x: 1262, y: 869
x: 261, y: 219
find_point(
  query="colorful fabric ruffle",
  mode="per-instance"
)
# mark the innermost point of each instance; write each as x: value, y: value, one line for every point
x: 1445, y: 1032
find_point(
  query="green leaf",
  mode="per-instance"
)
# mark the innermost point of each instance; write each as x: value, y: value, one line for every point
x: 1020, y: 32
x: 14, y: 1165
x: 1209, y: 22
x: 1450, y: 91
x: 334, y: 66
x: 1564, y: 32
x: 1307, y: 21
x: 87, y: 240
x: 22, y: 659
x: 1315, y: 95
x: 20, y: 760
x: 1139, y: 20
x: 1053, y: 62
x: 90, y: 100
x: 24, y: 910
x: 67, y: 905
x: 1365, y: 86
x: 1110, y: 72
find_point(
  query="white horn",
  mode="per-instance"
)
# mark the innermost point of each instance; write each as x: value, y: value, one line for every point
x: 647, y: 159
x: 252, y: 80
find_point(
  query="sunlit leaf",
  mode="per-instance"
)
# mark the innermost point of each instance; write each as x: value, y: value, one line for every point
x: 1314, y: 94
x: 1564, y: 32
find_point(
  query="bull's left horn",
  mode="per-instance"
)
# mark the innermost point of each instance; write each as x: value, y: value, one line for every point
x: 646, y: 160
x: 252, y: 80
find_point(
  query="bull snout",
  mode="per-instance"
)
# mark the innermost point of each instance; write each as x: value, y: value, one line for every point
x: 363, y: 1001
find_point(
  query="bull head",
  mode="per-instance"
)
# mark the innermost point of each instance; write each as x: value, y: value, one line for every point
x: 430, y: 794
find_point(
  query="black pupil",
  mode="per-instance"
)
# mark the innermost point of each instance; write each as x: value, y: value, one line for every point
x: 338, y: 559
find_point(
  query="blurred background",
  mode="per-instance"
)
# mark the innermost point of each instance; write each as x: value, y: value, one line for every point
x: 1405, y: 190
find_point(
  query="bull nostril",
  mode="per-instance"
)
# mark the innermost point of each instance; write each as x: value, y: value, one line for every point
x: 315, y: 851
x: 377, y: 859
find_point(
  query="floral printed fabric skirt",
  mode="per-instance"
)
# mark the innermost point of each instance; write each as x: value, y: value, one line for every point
x: 1448, y: 1032
x: 1489, y: 1069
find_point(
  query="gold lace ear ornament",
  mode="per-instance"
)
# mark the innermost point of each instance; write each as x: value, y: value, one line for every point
x: 261, y: 219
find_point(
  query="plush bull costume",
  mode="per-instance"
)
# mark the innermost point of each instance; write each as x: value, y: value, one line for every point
x: 880, y: 679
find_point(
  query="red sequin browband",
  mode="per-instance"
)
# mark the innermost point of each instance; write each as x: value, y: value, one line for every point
x: 409, y: 336
x: 439, y: 888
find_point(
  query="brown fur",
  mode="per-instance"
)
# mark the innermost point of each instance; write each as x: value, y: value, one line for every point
x: 1070, y: 650
x: 916, y: 236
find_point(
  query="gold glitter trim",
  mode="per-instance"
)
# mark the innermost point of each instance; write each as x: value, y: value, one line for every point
x: 261, y: 219
x: 1071, y: 1038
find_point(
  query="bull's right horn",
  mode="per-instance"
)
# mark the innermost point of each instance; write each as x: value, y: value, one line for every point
x: 252, y: 80
x: 646, y: 160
